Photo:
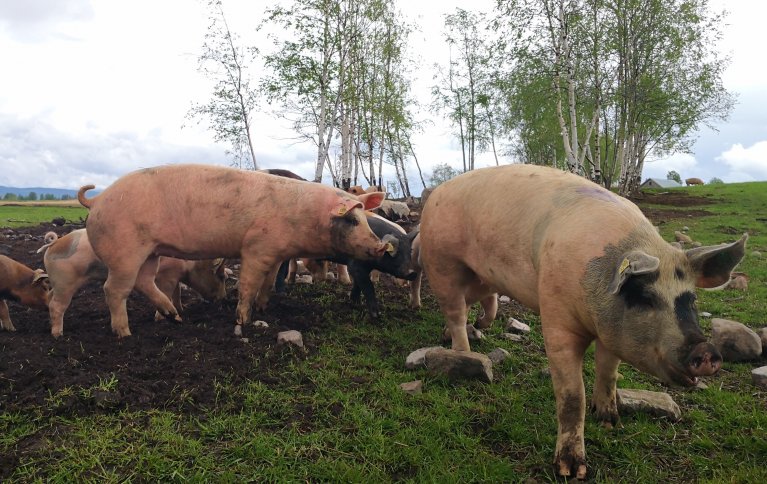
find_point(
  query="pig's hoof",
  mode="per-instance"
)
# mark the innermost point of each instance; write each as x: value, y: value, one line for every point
x: 57, y: 334
x: 566, y: 464
x: 178, y: 319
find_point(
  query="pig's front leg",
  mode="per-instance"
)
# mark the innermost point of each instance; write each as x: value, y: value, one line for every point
x: 565, y: 351
x: 253, y: 274
x: 262, y: 300
x: 604, y: 401
x: 5, y: 317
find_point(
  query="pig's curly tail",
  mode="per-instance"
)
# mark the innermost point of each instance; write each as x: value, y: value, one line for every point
x: 85, y: 202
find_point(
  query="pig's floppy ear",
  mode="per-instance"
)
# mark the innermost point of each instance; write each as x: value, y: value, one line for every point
x: 371, y: 201
x: 713, y: 264
x: 344, y: 207
x: 633, y: 264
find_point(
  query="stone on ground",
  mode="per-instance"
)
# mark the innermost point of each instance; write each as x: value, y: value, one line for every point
x: 759, y: 377
x: 504, y: 299
x: 417, y: 358
x: 515, y: 326
x: 680, y: 237
x: 290, y: 337
x: 763, y: 336
x: 735, y: 341
x: 412, y: 387
x: 654, y: 403
x: 460, y: 365
x: 498, y: 355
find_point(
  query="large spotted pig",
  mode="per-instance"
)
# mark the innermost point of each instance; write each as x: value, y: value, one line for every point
x: 202, y: 211
x: 594, y: 268
x: 70, y: 262
x: 21, y: 284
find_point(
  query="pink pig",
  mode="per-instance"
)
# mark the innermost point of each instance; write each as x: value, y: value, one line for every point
x: 202, y: 211
x: 71, y: 262
x: 594, y: 268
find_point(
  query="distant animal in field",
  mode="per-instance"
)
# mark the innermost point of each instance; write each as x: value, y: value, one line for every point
x: 693, y: 181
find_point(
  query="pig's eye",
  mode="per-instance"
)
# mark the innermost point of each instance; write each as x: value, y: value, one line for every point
x: 352, y: 221
x: 638, y: 293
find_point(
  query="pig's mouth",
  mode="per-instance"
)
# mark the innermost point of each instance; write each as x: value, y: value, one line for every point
x: 679, y: 377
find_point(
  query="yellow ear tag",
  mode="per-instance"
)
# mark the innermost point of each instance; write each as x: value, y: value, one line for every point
x: 341, y: 210
x: 389, y: 248
x: 624, y: 266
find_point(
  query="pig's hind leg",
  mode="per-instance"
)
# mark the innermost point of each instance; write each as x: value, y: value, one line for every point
x: 5, y: 317
x: 145, y: 283
x: 490, y: 310
x: 60, y: 299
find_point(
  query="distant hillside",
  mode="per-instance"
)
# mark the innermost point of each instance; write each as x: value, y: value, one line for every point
x: 40, y: 191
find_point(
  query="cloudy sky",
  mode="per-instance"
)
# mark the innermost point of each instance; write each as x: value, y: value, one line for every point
x: 93, y: 89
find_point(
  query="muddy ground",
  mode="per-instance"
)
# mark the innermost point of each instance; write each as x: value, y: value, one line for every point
x: 166, y: 364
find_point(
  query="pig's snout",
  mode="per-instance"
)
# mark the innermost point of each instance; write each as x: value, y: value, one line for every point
x: 704, y: 360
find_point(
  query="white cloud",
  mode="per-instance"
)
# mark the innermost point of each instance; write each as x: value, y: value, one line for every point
x: 681, y: 163
x: 746, y: 164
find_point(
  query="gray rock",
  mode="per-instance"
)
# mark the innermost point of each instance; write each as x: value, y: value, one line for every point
x: 682, y: 238
x: 504, y: 299
x: 696, y: 244
x: 739, y: 283
x: 511, y: 337
x: 304, y: 279
x: 460, y: 365
x: 416, y: 358
x: 704, y: 314
x: 260, y: 324
x: 676, y: 245
x: 759, y: 377
x: 412, y: 387
x: 498, y: 355
x: 655, y: 403
x: 685, y: 229
x: 756, y: 254
x: 290, y: 337
x: 735, y: 341
x: 763, y: 336
x: 515, y: 326
x: 245, y: 340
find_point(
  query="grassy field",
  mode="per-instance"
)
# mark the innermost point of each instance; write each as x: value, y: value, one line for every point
x: 19, y: 214
x: 338, y: 415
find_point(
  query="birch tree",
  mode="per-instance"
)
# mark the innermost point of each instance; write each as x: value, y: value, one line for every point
x: 229, y: 111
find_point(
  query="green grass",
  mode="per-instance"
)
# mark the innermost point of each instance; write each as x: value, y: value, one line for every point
x: 337, y: 414
x: 23, y: 215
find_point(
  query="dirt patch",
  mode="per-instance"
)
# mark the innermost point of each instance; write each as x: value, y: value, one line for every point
x: 658, y: 216
x: 675, y: 198
x: 178, y: 366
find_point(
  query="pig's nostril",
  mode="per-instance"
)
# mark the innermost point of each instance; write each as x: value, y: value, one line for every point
x: 696, y: 362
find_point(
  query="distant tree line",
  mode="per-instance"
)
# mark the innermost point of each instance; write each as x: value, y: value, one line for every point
x: 33, y: 196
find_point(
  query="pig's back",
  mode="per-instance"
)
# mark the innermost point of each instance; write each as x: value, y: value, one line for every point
x: 505, y: 223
